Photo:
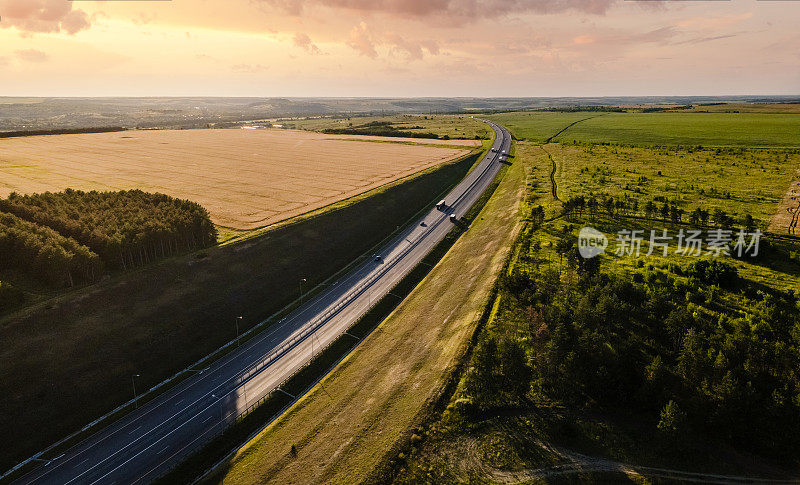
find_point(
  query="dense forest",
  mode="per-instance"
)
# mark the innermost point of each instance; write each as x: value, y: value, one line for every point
x: 43, y: 253
x: 654, y: 340
x: 382, y: 128
x: 125, y: 229
x: 10, y: 297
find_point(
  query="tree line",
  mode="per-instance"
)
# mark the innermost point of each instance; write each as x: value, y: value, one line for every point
x: 43, y: 253
x: 658, y: 209
x: 122, y: 230
x: 59, y: 131
x: 382, y: 128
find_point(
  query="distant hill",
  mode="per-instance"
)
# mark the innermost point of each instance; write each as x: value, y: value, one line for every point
x: 25, y: 114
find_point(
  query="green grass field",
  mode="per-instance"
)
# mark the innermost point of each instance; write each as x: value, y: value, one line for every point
x: 744, y: 166
x: 669, y: 128
x: 524, y: 441
x: 715, y: 129
x: 538, y: 126
x: 739, y: 181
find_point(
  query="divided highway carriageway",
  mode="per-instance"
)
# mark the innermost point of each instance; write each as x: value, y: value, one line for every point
x: 148, y: 442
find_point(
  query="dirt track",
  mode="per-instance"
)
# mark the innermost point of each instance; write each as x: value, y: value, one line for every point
x: 787, y: 216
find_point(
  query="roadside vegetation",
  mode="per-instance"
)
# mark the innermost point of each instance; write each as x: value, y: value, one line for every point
x: 374, y: 399
x: 608, y: 368
x: 686, y: 366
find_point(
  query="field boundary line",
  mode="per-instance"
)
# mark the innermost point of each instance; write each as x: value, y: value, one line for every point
x: 568, y: 127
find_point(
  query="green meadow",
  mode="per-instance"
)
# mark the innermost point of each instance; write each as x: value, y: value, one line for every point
x: 588, y: 371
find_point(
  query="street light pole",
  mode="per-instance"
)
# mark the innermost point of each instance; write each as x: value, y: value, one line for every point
x: 301, y: 290
x: 135, y: 396
x: 237, y: 331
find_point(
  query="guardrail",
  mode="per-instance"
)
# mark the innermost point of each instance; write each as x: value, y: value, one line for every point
x: 251, y: 407
x: 323, y: 318
x: 312, y: 326
x: 301, y: 334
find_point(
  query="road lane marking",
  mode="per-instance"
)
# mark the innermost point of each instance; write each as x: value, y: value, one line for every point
x: 322, y: 322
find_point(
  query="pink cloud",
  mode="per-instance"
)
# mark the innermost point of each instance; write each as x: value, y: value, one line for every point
x: 249, y: 68
x: 303, y: 41
x: 366, y: 42
x: 32, y: 55
x: 616, y: 39
x: 411, y: 49
x: 361, y: 40
x: 454, y: 10
x: 42, y: 16
x: 714, y: 22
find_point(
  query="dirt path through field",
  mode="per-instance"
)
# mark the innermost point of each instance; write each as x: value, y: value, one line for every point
x: 787, y: 216
x: 554, y: 169
x: 470, y: 462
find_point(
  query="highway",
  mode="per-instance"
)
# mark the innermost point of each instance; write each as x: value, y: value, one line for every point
x: 150, y: 441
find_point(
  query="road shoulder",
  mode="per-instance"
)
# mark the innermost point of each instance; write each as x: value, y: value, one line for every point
x: 342, y: 428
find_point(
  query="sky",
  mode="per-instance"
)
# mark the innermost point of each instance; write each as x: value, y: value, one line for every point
x: 398, y: 48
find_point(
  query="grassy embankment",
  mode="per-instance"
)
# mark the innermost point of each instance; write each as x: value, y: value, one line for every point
x: 70, y: 358
x: 345, y: 425
x: 597, y: 411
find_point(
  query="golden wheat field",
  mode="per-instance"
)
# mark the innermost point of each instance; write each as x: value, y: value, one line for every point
x: 245, y: 178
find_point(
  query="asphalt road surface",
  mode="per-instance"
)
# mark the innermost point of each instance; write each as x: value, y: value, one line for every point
x: 150, y: 441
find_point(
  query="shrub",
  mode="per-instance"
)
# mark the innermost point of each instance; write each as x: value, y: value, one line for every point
x: 713, y: 271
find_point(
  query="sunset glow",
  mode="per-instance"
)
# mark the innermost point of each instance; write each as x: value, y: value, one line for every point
x: 397, y: 48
